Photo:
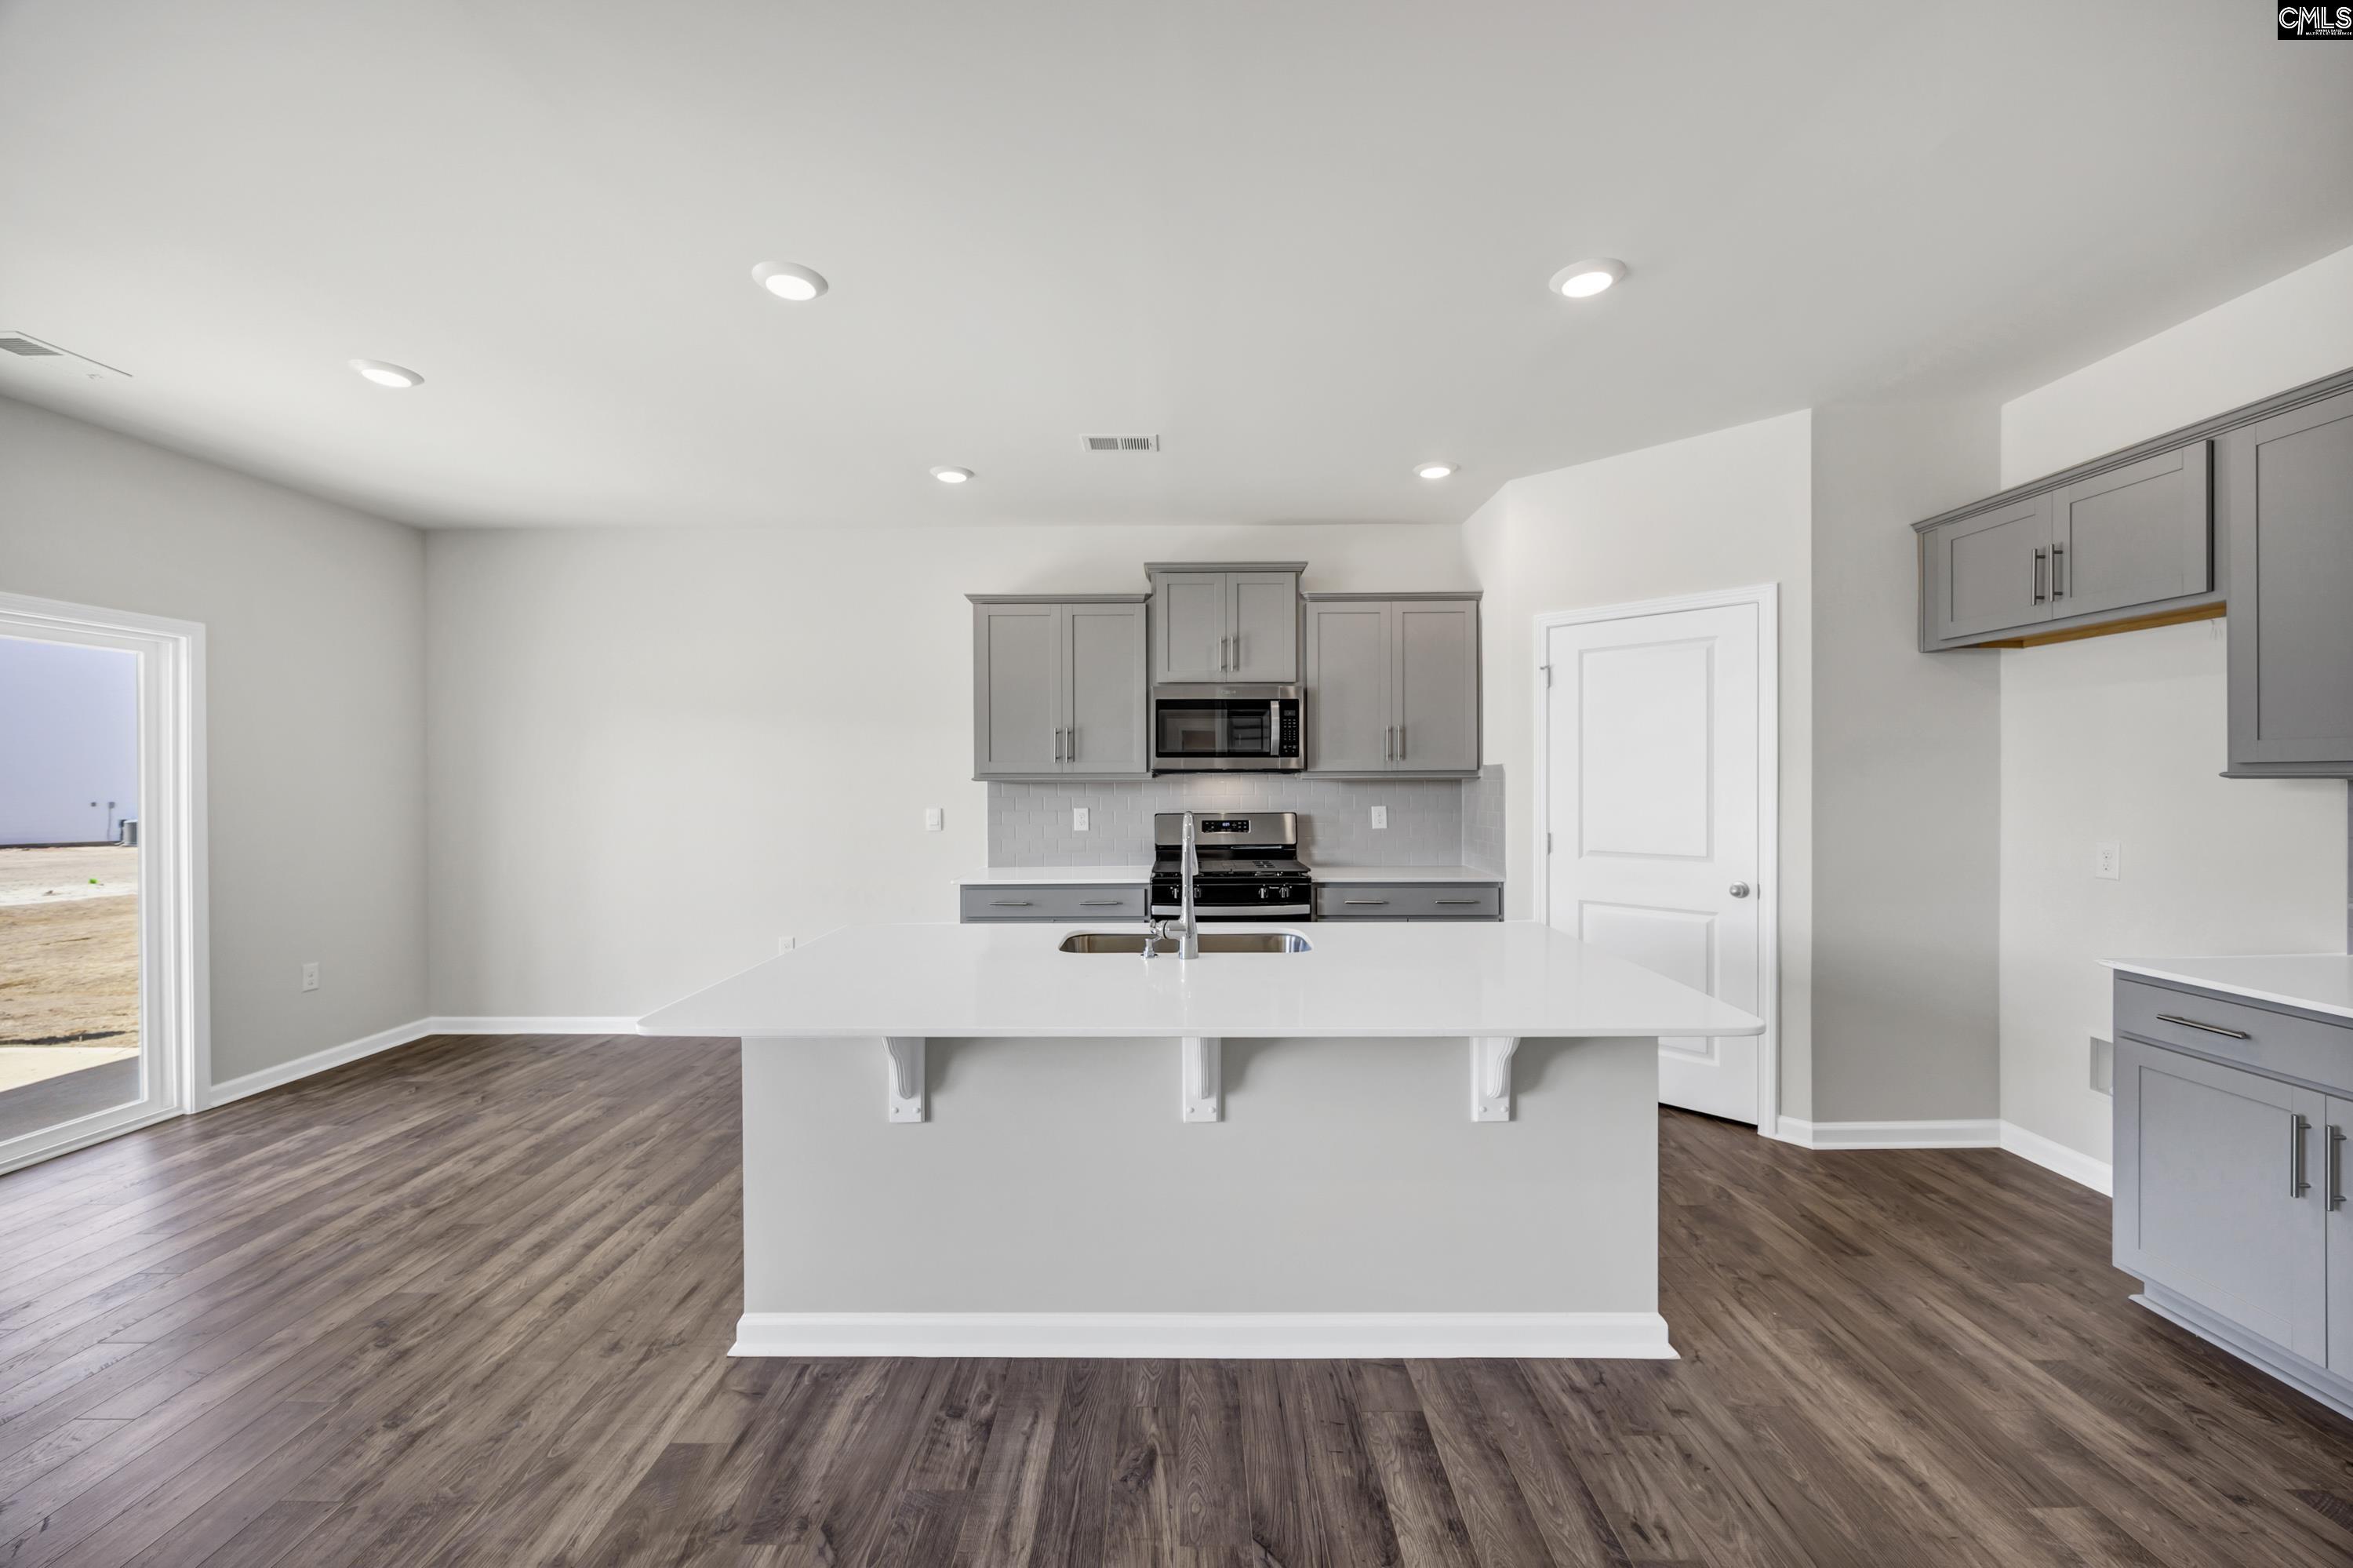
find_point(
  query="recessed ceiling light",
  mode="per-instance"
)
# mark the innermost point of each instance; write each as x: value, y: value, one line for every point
x: 1435, y: 470
x: 951, y: 476
x: 1583, y: 280
x: 387, y: 374
x: 789, y: 281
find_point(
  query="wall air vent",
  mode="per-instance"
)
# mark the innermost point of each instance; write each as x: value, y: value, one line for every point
x: 48, y: 359
x: 1122, y: 443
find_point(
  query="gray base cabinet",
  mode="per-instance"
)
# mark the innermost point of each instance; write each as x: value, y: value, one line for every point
x: 2230, y: 1195
x: 1393, y: 684
x: 1048, y: 901
x: 1058, y: 687
x: 1409, y: 901
x: 2288, y: 507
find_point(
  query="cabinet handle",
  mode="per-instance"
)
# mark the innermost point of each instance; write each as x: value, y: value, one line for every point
x: 2207, y: 1028
x: 1389, y: 747
x: 1237, y: 649
x: 1364, y: 901
x: 2058, y: 562
x: 2042, y: 558
x: 1070, y: 744
x: 1098, y: 902
x: 1459, y: 901
x: 1401, y: 742
x: 1224, y: 662
x: 2335, y: 1167
x: 1008, y: 904
x: 2296, y: 1128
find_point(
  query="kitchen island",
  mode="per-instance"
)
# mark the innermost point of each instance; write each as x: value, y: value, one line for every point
x: 1403, y: 1141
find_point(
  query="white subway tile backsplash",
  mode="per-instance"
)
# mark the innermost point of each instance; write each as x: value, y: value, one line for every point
x: 1430, y: 822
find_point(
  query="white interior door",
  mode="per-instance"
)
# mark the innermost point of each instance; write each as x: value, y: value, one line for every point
x: 1653, y: 786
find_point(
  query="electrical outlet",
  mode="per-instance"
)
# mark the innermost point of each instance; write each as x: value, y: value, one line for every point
x: 310, y: 976
x: 932, y: 819
x: 1380, y: 816
x: 2104, y: 1065
x: 1078, y: 818
x: 2107, y: 860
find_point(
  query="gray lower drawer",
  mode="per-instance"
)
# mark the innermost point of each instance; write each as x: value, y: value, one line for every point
x: 1095, y: 902
x: 2279, y: 1045
x: 1409, y: 901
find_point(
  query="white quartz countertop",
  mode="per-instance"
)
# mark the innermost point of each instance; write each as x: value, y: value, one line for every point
x: 2320, y: 982
x: 1373, y: 979
x: 1406, y: 873
x: 1056, y: 877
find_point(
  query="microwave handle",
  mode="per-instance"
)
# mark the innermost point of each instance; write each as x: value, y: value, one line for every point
x: 1274, y: 728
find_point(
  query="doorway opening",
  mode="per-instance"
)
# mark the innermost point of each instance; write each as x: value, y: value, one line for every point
x: 101, y: 974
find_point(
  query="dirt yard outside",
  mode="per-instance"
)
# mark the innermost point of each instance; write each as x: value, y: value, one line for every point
x: 68, y: 960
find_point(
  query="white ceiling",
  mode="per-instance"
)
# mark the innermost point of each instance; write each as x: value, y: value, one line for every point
x: 1307, y: 244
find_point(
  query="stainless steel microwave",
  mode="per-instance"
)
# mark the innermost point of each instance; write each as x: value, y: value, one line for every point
x: 1252, y: 728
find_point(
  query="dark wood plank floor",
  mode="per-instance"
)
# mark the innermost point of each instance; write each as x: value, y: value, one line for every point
x: 469, y: 1303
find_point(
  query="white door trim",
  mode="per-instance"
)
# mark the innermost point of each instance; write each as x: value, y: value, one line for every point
x: 1767, y: 597
x: 176, y: 955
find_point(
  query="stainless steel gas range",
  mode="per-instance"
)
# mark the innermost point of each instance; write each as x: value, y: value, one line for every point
x: 1249, y: 866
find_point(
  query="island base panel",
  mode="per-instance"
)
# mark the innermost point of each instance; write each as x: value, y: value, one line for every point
x: 1050, y: 1203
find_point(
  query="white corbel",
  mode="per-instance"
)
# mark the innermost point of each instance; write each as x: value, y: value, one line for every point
x: 906, y: 1086
x: 1201, y: 1060
x: 1490, y: 1076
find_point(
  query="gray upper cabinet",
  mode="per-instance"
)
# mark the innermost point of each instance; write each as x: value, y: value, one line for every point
x: 2215, y: 1195
x: 1989, y: 572
x: 1216, y: 621
x: 2287, y: 489
x: 2137, y: 535
x: 1058, y: 686
x: 1393, y: 683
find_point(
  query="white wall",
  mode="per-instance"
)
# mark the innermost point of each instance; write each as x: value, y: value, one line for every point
x: 68, y: 741
x: 654, y: 752
x: 2122, y: 738
x: 1722, y: 510
x: 313, y: 616
x: 1907, y: 767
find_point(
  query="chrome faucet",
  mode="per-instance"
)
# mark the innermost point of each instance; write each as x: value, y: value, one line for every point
x: 1188, y: 943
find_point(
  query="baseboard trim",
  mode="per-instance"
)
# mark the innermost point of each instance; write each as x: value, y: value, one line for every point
x: 1614, y: 1336
x: 1972, y: 1134
x: 317, y: 1062
x: 2054, y: 1156
x: 2305, y: 1377
x: 531, y: 1025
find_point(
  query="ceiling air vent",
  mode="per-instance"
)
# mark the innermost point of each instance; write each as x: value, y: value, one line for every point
x: 1122, y: 443
x: 51, y: 360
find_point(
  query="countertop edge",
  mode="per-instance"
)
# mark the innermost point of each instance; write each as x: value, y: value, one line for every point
x: 2161, y: 969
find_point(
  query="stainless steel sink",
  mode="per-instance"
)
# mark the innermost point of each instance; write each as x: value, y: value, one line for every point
x: 1132, y: 942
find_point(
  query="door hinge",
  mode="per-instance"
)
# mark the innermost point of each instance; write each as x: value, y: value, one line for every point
x: 1547, y: 843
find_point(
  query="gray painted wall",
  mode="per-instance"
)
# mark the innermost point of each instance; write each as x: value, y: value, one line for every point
x: 314, y: 641
x: 1907, y: 787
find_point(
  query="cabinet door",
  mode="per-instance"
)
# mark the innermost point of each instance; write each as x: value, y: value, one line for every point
x: 1102, y: 682
x: 1351, y: 722
x: 2137, y: 535
x: 1262, y: 616
x: 1016, y: 699
x: 2332, y: 1152
x: 1435, y: 674
x: 1189, y: 628
x: 2289, y: 503
x: 2216, y: 1194
x: 1990, y: 572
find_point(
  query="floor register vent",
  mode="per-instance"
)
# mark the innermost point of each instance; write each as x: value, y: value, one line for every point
x: 1122, y: 443
x: 24, y: 347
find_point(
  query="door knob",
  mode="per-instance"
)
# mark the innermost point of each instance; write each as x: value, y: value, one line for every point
x: 1740, y: 890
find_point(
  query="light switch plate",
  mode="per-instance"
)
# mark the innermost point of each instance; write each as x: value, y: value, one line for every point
x: 1380, y: 816
x: 787, y: 943
x: 1078, y: 818
x: 2107, y: 860
x: 931, y: 818
x: 310, y: 976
